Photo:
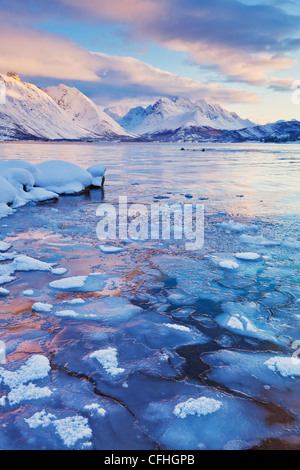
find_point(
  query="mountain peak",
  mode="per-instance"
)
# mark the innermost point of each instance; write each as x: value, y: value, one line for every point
x: 14, y: 75
x: 170, y: 114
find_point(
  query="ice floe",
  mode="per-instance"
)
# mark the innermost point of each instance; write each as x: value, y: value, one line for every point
x: 41, y: 307
x: 259, y: 240
x: 249, y: 319
x: 233, y: 226
x: 90, y: 283
x: 111, y: 249
x: 4, y: 246
x: 248, y: 256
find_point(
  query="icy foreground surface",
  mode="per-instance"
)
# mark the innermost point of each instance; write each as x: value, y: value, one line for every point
x: 117, y: 344
x: 21, y: 182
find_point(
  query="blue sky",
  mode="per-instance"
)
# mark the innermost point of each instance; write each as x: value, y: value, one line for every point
x: 243, y: 54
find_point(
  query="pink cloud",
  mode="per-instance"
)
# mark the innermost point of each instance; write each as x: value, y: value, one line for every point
x: 33, y: 53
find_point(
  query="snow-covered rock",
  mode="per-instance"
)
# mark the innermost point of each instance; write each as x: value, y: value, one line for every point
x: 63, y: 177
x: 21, y: 182
x: 97, y: 171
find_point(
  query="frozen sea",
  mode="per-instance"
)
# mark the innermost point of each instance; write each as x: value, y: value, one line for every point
x: 151, y: 346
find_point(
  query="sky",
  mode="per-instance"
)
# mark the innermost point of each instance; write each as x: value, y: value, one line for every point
x: 242, y: 54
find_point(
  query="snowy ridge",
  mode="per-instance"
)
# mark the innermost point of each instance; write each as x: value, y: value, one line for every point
x: 171, y: 114
x: 64, y: 113
x: 84, y: 112
x: 134, y: 117
x: 30, y: 113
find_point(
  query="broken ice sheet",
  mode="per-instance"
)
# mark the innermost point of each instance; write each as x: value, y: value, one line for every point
x: 159, y: 399
x: 194, y: 277
x: 250, y: 319
x: 249, y: 373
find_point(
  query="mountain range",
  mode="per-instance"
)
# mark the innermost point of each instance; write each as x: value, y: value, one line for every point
x: 64, y: 113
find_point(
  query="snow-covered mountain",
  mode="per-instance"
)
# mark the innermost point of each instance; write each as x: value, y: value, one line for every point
x: 134, y: 118
x: 180, y: 113
x: 283, y: 131
x: 28, y: 112
x: 280, y: 131
x: 85, y: 113
x: 61, y: 112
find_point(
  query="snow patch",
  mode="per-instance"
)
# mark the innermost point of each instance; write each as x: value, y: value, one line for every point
x: 197, y: 406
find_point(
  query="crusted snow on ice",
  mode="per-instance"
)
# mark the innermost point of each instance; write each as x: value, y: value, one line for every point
x: 4, y: 246
x: 36, y: 367
x: 228, y: 264
x: 69, y: 283
x: 28, y: 292
x: 197, y: 406
x: 177, y: 327
x: 95, y: 409
x: 90, y: 283
x: 72, y: 429
x: 285, y: 366
x: 248, y: 255
x: 111, y: 249
x: 77, y: 301
x: 257, y: 240
x: 41, y: 307
x: 3, y: 291
x: 233, y: 226
x: 27, y: 392
x: 108, y: 359
x: 67, y: 313
x: 41, y: 418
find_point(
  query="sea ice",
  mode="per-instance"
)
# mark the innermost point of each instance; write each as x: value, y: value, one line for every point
x: 95, y: 409
x: 197, y: 406
x: 4, y: 291
x: 36, y: 367
x: 72, y: 429
x: 108, y: 359
x: 111, y: 249
x: 249, y: 319
x: 237, y: 227
x: 248, y: 256
x: 94, y: 282
x: 27, y: 392
x: 257, y: 240
x: 4, y: 246
x: 285, y: 366
x: 41, y: 307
